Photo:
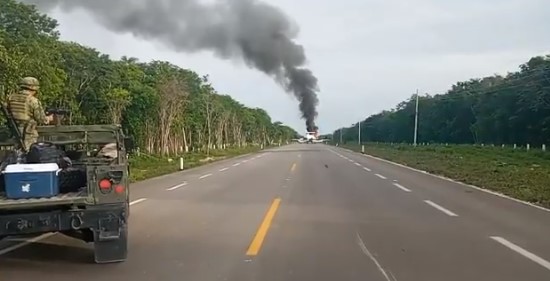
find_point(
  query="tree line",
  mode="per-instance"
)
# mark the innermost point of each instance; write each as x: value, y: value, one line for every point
x: 509, y: 109
x: 165, y: 108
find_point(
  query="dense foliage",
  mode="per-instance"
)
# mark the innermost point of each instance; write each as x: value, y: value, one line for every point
x: 499, y: 109
x: 165, y: 108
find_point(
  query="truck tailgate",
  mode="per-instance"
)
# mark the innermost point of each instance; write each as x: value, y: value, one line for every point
x: 61, y: 199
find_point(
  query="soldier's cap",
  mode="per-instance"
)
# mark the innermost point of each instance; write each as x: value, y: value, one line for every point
x: 29, y: 83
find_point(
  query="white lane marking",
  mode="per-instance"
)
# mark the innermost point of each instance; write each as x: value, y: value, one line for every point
x: 380, y: 176
x: 544, y: 263
x: 501, y: 195
x: 204, y: 176
x: 177, y: 186
x: 449, y: 213
x: 366, y: 169
x: 236, y: 164
x: 244, y: 161
x: 350, y: 160
x: 371, y: 256
x: 357, y: 164
x: 402, y: 187
x: 137, y: 201
x: 224, y: 169
x: 27, y: 242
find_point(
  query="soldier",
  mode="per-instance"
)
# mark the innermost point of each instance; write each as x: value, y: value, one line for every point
x: 27, y: 110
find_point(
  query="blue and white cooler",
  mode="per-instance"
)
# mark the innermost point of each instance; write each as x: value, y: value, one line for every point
x: 31, y: 180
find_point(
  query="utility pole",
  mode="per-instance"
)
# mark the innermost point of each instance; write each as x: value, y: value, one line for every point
x: 359, y: 132
x: 416, y: 119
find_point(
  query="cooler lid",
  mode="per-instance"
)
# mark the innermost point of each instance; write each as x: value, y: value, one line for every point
x: 31, y: 168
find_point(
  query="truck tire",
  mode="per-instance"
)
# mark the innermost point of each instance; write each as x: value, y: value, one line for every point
x: 71, y: 180
x: 87, y: 235
x: 112, y: 251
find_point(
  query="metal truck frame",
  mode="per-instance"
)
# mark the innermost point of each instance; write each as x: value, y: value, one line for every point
x: 98, y: 212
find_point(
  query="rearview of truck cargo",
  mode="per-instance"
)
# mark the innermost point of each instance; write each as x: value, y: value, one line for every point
x: 73, y: 181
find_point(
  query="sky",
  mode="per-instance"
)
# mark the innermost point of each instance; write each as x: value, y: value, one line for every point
x: 368, y: 55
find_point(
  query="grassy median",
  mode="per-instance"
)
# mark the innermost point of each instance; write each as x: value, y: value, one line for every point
x: 148, y: 166
x: 515, y: 172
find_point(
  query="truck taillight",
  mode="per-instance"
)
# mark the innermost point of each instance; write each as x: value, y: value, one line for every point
x: 105, y: 185
x: 119, y: 189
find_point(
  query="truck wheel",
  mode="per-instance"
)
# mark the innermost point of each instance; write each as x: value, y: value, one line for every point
x: 114, y: 250
x: 71, y: 180
x: 87, y: 235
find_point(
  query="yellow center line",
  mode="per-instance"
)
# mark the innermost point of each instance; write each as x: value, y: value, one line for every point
x: 293, y: 167
x: 256, y: 244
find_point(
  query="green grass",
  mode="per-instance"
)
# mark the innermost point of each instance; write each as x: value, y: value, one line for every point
x: 145, y: 166
x: 518, y: 173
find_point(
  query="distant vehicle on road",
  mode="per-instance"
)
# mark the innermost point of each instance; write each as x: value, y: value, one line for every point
x: 311, y: 137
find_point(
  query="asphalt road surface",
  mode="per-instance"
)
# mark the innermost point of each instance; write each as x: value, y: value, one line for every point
x: 305, y: 212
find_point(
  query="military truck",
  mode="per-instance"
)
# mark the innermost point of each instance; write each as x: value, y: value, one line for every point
x: 93, y: 199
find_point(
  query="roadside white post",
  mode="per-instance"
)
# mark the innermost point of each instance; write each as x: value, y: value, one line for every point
x: 528, y: 146
x: 363, y: 148
x: 543, y: 147
x: 181, y: 163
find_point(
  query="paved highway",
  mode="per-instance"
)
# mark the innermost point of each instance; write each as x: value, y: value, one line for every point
x: 305, y: 212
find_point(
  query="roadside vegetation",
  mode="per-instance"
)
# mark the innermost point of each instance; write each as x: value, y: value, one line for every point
x: 518, y: 173
x: 169, y: 111
x: 511, y: 109
x: 148, y: 166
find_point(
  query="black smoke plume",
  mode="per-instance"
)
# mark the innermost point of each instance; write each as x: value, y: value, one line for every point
x: 254, y: 31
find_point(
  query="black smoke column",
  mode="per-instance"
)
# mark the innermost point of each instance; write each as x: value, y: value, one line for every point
x: 253, y: 31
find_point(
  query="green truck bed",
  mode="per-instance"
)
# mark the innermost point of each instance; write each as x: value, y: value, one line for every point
x: 61, y: 199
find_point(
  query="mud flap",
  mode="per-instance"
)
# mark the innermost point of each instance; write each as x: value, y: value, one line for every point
x: 111, y: 243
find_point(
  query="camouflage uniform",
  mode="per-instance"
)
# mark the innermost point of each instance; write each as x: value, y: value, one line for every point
x: 27, y: 110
